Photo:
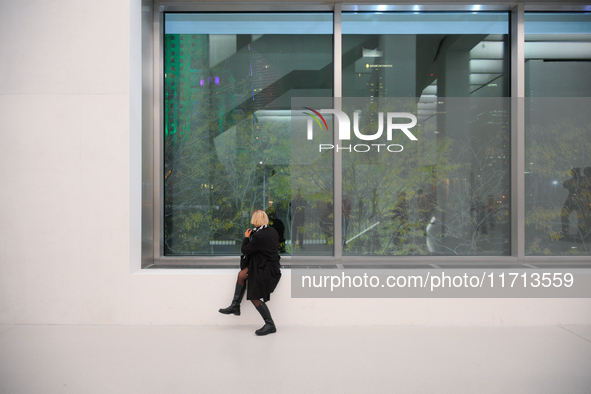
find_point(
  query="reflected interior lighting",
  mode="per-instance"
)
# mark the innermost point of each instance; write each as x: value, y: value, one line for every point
x: 555, y: 182
x: 476, y: 8
x: 217, y: 80
x: 381, y: 8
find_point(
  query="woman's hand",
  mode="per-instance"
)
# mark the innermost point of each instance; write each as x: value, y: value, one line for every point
x: 247, y: 233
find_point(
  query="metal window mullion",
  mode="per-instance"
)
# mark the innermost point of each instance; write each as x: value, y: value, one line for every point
x: 157, y: 170
x: 517, y: 133
x: 338, y: 159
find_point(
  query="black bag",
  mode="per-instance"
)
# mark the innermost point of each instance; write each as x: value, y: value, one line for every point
x: 243, y: 262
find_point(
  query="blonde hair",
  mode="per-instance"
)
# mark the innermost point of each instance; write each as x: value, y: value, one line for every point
x: 259, y: 218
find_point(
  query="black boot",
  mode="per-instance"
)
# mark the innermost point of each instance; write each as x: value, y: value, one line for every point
x: 269, y: 326
x: 235, y: 306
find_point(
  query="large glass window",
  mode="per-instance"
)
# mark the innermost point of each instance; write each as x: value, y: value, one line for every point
x: 244, y: 91
x: 449, y: 193
x: 229, y: 80
x: 557, y: 134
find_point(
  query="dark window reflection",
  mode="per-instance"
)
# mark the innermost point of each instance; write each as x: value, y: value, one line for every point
x: 558, y: 135
x: 229, y: 80
x: 451, y: 196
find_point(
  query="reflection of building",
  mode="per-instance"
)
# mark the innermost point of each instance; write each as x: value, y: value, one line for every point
x: 434, y: 64
x: 478, y: 62
x: 225, y: 101
x: 426, y: 57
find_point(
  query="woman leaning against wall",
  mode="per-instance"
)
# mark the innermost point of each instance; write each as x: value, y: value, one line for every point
x: 260, y: 270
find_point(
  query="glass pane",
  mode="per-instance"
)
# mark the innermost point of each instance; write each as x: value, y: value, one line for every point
x: 450, y: 196
x: 312, y: 184
x: 229, y: 80
x: 557, y: 55
x: 425, y: 54
x: 558, y: 136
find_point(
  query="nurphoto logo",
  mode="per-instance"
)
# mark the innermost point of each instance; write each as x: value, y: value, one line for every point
x: 344, y: 130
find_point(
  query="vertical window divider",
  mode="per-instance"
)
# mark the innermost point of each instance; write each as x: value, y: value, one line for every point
x: 338, y: 160
x: 517, y: 132
x: 157, y: 166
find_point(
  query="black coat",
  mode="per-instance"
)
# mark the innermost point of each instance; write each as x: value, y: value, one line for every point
x: 264, y: 269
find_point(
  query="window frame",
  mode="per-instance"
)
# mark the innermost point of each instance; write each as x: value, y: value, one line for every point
x: 153, y: 121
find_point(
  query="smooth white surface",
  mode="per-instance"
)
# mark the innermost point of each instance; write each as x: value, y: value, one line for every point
x: 195, y: 299
x: 64, y: 46
x: 105, y: 46
x: 69, y: 184
x: 41, y: 208
x: 65, y: 154
x: 105, y: 223
x: 232, y: 359
x: 40, y: 47
x: 582, y: 331
x: 5, y: 328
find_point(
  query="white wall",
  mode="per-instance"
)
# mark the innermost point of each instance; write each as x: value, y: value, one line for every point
x: 70, y: 162
x: 64, y: 99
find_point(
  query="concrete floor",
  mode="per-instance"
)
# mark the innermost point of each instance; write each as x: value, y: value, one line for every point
x: 297, y: 359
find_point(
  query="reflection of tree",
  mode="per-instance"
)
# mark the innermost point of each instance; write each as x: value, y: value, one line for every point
x: 216, y: 180
x: 476, y: 212
x: 314, y: 180
x: 220, y: 163
x: 226, y: 145
x: 558, y: 215
x: 441, y: 195
x: 396, y: 190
